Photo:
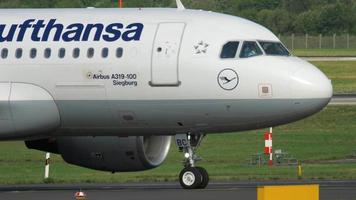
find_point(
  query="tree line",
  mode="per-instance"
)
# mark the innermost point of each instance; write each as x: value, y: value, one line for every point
x: 281, y: 16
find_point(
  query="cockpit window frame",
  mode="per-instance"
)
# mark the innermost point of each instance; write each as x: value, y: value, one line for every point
x: 273, y: 41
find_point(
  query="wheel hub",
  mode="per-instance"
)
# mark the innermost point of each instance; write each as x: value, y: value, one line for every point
x: 188, y: 178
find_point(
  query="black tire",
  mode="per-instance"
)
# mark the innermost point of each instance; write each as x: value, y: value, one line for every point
x: 205, y: 178
x: 190, y: 178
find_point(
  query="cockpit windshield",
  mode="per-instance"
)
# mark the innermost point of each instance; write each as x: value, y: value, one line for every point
x: 250, y: 49
x: 274, y: 48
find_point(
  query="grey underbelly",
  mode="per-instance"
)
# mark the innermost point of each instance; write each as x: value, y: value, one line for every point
x: 165, y: 117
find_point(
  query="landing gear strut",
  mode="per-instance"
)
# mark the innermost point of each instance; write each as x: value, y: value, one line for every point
x: 191, y: 177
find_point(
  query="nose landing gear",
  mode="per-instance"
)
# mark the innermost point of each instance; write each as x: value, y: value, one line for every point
x: 191, y: 177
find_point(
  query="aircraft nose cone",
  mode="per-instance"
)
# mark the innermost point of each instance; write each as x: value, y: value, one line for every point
x: 311, y: 83
x: 311, y: 89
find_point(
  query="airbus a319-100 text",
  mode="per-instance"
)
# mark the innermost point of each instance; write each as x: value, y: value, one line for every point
x: 108, y: 88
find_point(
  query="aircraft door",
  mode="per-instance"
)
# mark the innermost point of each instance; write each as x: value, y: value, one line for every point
x: 165, y: 54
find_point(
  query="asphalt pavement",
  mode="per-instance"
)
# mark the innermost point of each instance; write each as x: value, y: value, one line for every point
x: 330, y: 58
x: 329, y: 190
x: 343, y: 99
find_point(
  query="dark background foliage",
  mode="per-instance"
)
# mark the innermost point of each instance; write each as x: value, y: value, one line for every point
x: 282, y: 16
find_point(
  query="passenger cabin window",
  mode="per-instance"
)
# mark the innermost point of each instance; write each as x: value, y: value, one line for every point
x: 90, y: 53
x: 18, y: 53
x: 274, y: 49
x: 33, y: 53
x: 62, y: 52
x: 105, y: 52
x: 250, y: 49
x: 229, y: 50
x: 47, y: 53
x: 119, y: 52
x: 76, y: 52
x: 4, y: 53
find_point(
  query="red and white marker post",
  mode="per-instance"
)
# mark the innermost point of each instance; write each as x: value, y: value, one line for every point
x: 268, y: 146
x: 48, y: 157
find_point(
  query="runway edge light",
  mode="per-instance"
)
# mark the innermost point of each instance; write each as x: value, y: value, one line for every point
x: 290, y: 192
x: 80, y: 195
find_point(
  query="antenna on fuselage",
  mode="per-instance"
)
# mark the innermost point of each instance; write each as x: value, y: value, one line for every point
x: 180, y: 6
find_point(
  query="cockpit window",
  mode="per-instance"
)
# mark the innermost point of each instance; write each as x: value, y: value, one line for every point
x: 229, y: 50
x: 274, y: 49
x: 250, y: 49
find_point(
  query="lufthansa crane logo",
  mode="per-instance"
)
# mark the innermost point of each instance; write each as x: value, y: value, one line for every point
x: 228, y: 79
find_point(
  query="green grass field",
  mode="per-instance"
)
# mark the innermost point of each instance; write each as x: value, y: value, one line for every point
x: 329, y: 135
x: 342, y: 74
x: 324, y: 52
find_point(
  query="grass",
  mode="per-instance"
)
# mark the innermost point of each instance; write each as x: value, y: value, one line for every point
x: 324, y: 52
x: 342, y: 74
x: 328, y: 135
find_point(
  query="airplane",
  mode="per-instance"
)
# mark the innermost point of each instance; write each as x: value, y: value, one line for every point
x: 108, y: 89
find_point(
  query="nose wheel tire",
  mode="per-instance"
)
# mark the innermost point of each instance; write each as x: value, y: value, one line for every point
x: 193, y: 178
x: 205, y: 177
x: 190, y: 178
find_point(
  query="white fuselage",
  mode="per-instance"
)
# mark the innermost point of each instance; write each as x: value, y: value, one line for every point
x: 161, y: 78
